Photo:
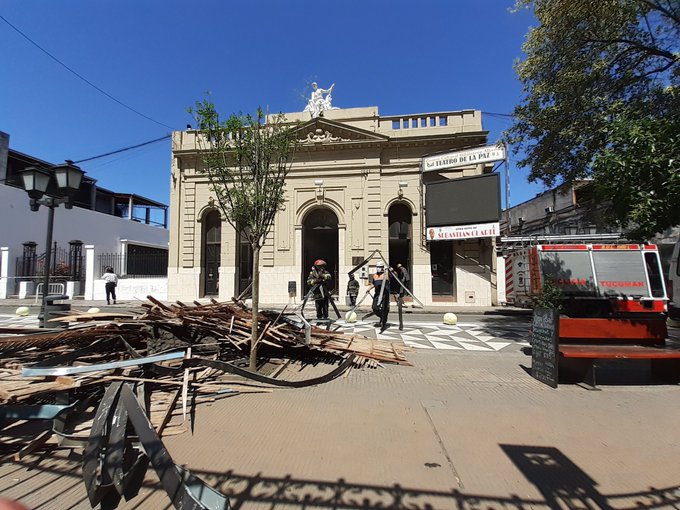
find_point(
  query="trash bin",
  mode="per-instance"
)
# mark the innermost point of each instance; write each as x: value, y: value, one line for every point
x: 54, y: 310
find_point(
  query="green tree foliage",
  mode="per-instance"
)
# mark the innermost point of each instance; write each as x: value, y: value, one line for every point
x: 638, y: 172
x: 247, y: 159
x: 601, y: 85
x: 551, y: 296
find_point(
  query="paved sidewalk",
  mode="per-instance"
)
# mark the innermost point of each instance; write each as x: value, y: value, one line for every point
x: 459, y: 430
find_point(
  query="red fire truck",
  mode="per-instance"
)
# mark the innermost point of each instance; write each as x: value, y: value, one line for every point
x: 596, y: 280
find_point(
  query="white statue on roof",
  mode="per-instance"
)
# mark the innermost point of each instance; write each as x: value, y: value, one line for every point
x: 317, y: 103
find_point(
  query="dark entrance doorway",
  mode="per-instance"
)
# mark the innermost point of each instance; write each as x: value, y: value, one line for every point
x: 320, y: 241
x: 212, y: 241
x: 399, y: 220
x: 442, y: 255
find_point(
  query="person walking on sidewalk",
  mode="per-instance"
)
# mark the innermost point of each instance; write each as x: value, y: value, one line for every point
x: 111, y: 282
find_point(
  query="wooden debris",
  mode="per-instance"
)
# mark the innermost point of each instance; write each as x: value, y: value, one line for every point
x: 108, y: 342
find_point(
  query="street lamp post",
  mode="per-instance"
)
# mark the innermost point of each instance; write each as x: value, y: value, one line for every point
x: 36, y: 181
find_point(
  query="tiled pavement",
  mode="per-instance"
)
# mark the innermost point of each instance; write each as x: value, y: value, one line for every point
x: 14, y: 321
x: 465, y: 336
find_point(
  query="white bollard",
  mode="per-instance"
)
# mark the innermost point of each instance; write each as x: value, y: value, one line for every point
x: 450, y: 318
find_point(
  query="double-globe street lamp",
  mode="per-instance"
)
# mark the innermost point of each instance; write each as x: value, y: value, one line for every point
x: 67, y: 178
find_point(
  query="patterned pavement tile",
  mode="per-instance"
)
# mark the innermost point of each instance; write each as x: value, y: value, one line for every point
x: 478, y: 337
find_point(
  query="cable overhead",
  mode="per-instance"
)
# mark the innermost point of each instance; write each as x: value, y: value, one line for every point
x: 507, y: 115
x: 123, y: 149
x: 82, y: 77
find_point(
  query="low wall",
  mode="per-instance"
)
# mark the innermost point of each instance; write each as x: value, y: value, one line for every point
x: 134, y: 288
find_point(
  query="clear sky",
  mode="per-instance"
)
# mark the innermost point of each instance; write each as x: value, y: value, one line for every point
x: 160, y: 56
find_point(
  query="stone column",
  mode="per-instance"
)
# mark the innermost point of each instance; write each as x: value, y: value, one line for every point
x: 4, y: 272
x: 88, y: 294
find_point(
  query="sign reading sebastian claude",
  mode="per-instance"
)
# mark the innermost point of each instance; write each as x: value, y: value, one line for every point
x: 464, y: 158
x: 463, y: 232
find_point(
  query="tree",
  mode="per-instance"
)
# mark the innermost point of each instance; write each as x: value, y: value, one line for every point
x: 247, y: 160
x: 597, y: 76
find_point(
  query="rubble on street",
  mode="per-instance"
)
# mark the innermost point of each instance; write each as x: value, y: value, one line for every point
x: 113, y: 384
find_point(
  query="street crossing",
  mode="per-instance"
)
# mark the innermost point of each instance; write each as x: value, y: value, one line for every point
x: 466, y: 336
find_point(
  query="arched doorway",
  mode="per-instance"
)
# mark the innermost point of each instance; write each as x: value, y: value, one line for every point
x: 399, y: 221
x: 320, y: 241
x: 212, y: 241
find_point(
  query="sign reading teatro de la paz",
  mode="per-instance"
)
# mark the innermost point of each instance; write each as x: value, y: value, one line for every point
x: 463, y: 231
x: 464, y: 158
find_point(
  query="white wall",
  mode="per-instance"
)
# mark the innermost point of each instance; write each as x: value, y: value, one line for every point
x: 129, y: 289
x: 19, y: 224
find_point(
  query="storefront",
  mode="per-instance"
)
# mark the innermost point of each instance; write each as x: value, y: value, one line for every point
x: 357, y: 185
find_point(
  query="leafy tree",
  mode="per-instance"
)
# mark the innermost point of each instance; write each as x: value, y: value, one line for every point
x: 247, y: 159
x: 601, y: 84
x: 638, y: 172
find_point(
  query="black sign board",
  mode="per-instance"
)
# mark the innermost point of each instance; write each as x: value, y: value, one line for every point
x: 545, y: 335
x: 292, y: 288
x: 463, y: 201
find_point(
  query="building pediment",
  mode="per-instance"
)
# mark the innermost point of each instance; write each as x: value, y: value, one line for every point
x: 320, y: 132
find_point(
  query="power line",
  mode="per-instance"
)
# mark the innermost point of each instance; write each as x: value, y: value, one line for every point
x: 506, y: 115
x: 82, y: 77
x: 124, y: 149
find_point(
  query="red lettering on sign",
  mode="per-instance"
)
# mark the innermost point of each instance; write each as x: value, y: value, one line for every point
x: 610, y: 283
x: 571, y: 281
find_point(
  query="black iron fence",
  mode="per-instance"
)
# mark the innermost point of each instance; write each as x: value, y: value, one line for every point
x: 65, y: 264
x: 135, y: 264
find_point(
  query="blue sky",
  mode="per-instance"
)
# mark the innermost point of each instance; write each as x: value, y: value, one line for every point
x: 159, y: 57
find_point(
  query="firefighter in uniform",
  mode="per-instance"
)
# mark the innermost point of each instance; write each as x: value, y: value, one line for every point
x: 319, y: 275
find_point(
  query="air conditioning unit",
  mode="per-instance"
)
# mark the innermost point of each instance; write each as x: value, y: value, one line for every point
x: 549, y: 210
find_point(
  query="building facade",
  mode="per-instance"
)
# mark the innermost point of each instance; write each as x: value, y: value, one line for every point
x: 356, y: 186
x: 125, y: 227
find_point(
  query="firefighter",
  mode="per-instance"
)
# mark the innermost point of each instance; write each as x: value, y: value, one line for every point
x: 352, y: 290
x: 319, y: 275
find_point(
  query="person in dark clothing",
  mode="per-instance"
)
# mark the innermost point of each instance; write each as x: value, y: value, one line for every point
x: 352, y: 290
x: 319, y: 275
x: 381, y: 295
x: 404, y: 278
x: 111, y: 282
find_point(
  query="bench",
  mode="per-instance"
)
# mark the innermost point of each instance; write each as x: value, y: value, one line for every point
x: 584, y: 341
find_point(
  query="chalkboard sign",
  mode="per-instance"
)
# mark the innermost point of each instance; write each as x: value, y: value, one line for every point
x: 546, y: 332
x: 292, y: 288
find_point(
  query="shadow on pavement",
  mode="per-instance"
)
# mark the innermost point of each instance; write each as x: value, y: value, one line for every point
x: 561, y: 483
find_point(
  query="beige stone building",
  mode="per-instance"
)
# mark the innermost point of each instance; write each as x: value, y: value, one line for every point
x: 355, y: 186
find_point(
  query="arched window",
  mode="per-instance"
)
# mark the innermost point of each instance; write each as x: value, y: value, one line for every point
x: 212, y: 241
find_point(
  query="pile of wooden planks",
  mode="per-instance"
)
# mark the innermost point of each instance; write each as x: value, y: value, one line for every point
x: 174, y: 355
